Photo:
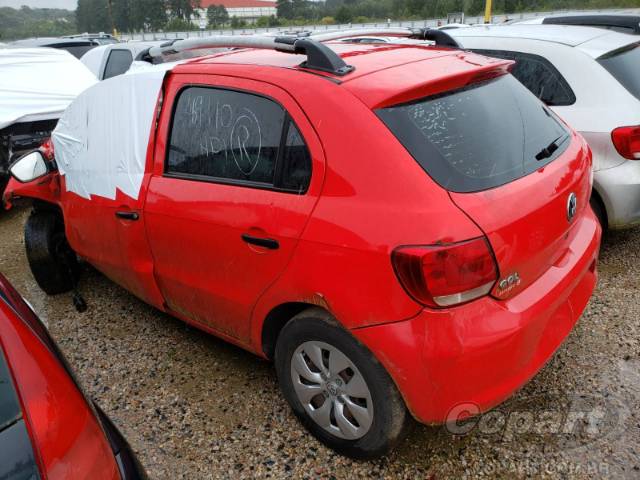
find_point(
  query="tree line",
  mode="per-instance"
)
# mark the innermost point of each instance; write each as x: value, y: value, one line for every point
x: 361, y: 11
x: 35, y: 22
x: 175, y: 15
x: 134, y: 15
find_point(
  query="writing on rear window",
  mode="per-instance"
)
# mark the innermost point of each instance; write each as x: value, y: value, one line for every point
x: 478, y: 137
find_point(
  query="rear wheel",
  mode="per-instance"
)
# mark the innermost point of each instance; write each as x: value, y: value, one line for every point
x: 337, y: 388
x: 53, y: 264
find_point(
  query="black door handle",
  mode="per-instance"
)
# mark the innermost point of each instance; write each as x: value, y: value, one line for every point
x: 269, y: 243
x: 128, y: 215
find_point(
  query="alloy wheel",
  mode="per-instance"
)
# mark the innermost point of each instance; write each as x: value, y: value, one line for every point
x: 332, y: 390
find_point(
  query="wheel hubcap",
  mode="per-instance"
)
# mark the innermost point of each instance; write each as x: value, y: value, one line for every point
x: 332, y: 390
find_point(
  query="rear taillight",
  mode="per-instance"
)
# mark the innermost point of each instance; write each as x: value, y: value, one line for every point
x: 627, y: 142
x: 446, y: 275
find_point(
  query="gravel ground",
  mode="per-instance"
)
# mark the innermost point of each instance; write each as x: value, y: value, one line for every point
x: 195, y: 407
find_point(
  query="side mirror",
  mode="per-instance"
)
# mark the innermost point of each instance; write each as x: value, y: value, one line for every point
x: 29, y: 167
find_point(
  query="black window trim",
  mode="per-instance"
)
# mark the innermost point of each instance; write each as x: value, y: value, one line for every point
x: 545, y: 61
x: 279, y: 163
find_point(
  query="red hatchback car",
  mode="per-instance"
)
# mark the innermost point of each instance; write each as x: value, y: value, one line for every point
x: 48, y: 428
x: 402, y: 228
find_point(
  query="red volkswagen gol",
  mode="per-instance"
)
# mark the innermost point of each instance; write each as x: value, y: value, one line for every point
x: 48, y: 428
x: 402, y: 228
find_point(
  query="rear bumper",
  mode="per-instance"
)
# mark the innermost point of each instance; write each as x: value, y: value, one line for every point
x: 619, y: 188
x: 481, y: 352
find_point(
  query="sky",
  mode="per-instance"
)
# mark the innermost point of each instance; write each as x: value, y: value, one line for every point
x: 68, y: 4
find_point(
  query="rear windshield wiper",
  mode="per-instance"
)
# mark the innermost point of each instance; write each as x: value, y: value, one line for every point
x: 549, y: 150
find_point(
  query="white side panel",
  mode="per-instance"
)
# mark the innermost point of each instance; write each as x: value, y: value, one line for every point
x: 100, y: 142
x: 94, y: 59
x: 39, y: 83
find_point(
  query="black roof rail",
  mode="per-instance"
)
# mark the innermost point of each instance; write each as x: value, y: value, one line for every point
x: 319, y: 56
x: 623, y: 22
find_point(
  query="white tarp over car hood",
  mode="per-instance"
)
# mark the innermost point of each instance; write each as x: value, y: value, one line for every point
x: 39, y: 83
x: 101, y: 140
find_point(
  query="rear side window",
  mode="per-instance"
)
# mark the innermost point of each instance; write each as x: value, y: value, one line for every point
x: 118, y: 62
x: 77, y: 50
x: 236, y: 137
x: 538, y: 75
x: 624, y: 65
x: 479, y: 137
x: 16, y: 454
x: 296, y: 165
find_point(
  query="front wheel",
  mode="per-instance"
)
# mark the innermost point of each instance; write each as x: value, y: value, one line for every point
x: 337, y: 388
x: 53, y: 264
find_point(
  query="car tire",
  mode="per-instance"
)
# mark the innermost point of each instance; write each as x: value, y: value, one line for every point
x: 4, y: 180
x: 365, y: 425
x: 52, y: 261
x: 600, y: 212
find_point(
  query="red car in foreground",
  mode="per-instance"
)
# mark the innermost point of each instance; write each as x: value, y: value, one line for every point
x: 402, y: 233
x: 48, y: 428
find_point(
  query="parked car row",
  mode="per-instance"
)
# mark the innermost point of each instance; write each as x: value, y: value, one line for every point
x: 402, y: 227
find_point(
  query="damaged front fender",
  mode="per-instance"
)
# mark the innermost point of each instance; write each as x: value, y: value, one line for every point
x: 46, y: 188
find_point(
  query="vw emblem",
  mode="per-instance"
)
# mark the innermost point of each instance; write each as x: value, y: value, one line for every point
x: 572, y: 206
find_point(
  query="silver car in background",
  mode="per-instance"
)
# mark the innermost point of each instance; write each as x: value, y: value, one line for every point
x: 590, y: 77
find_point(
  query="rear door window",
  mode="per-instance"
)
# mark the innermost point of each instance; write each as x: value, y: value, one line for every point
x: 624, y: 65
x: 478, y: 137
x: 229, y: 136
x: 118, y: 63
x: 539, y: 75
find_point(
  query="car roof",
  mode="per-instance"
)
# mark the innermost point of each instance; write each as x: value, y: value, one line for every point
x: 617, y: 21
x: 136, y: 46
x: 366, y: 58
x: 384, y: 73
x: 51, y: 41
x: 592, y: 40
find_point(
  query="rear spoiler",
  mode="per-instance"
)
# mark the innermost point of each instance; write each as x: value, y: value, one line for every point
x: 627, y: 22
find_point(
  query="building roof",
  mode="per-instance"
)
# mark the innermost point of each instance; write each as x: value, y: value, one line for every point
x: 239, y: 3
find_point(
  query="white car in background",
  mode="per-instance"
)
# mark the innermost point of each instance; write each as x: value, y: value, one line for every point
x: 619, y: 22
x: 451, y: 26
x: 36, y: 86
x: 108, y: 61
x: 590, y: 77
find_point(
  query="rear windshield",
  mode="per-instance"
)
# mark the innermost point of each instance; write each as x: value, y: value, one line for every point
x: 478, y: 137
x: 625, y: 67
